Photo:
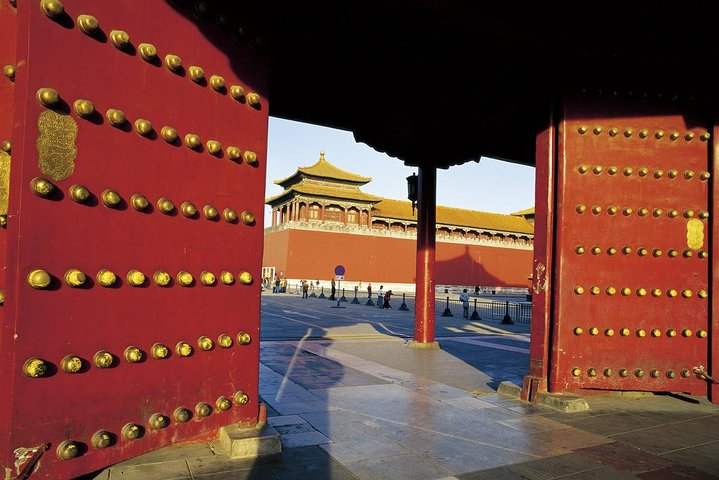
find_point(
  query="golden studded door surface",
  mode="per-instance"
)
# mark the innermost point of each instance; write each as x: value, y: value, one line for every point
x: 632, y: 240
x: 131, y: 315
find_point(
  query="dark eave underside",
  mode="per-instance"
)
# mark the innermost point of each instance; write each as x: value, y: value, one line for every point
x: 444, y: 82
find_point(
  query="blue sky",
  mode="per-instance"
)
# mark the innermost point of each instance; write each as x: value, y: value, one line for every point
x: 490, y: 185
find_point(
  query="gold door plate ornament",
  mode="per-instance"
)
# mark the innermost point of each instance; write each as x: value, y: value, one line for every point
x: 56, y: 144
x: 695, y: 234
x: 4, y: 181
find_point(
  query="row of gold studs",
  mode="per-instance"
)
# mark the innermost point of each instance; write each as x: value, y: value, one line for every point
x: 40, y: 279
x: 641, y: 292
x: 641, y: 212
x: 43, y: 187
x: 644, y: 133
x: 642, y: 172
x: 641, y: 251
x: 68, y: 449
x: 120, y: 39
x: 638, y: 373
x: 640, y: 332
x: 49, y: 98
x: 36, y: 367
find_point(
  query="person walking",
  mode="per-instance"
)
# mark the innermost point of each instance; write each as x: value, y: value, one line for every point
x: 380, y: 296
x: 305, y: 288
x: 334, y: 289
x: 387, y: 297
x: 464, y: 298
x: 369, y: 290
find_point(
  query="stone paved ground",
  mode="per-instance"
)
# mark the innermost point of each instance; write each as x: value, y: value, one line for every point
x: 351, y: 401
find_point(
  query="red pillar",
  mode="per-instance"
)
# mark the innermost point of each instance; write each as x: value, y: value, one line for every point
x: 426, y: 223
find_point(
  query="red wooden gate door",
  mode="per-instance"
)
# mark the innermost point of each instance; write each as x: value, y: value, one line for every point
x: 8, y: 21
x: 131, y: 316
x: 630, y: 277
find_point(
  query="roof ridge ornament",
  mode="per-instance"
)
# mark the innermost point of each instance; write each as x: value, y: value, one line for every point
x: 322, y: 156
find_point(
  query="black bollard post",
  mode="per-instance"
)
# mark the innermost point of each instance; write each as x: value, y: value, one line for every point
x: 447, y: 312
x: 338, y: 300
x: 475, y: 314
x: 507, y: 320
x: 343, y: 298
x: 322, y: 293
x: 403, y: 307
x: 354, y: 300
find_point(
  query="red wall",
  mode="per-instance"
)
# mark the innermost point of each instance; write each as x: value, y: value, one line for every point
x: 275, y: 251
x: 314, y: 255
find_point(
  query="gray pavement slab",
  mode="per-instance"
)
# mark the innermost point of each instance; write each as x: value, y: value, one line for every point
x: 351, y: 401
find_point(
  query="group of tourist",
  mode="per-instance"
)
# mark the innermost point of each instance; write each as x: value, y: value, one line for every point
x: 383, y: 297
x: 279, y: 285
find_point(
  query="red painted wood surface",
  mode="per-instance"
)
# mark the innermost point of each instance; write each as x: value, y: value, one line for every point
x: 542, y: 273
x: 653, y: 160
x: 8, y: 24
x: 57, y: 234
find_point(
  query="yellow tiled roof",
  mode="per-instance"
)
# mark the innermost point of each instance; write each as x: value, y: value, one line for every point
x: 331, y: 192
x: 521, y: 213
x: 325, y: 169
x: 402, y: 210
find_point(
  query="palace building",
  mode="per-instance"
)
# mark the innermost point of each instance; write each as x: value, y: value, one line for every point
x: 323, y: 219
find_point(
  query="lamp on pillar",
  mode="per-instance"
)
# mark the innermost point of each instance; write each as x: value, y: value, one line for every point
x: 412, y: 190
